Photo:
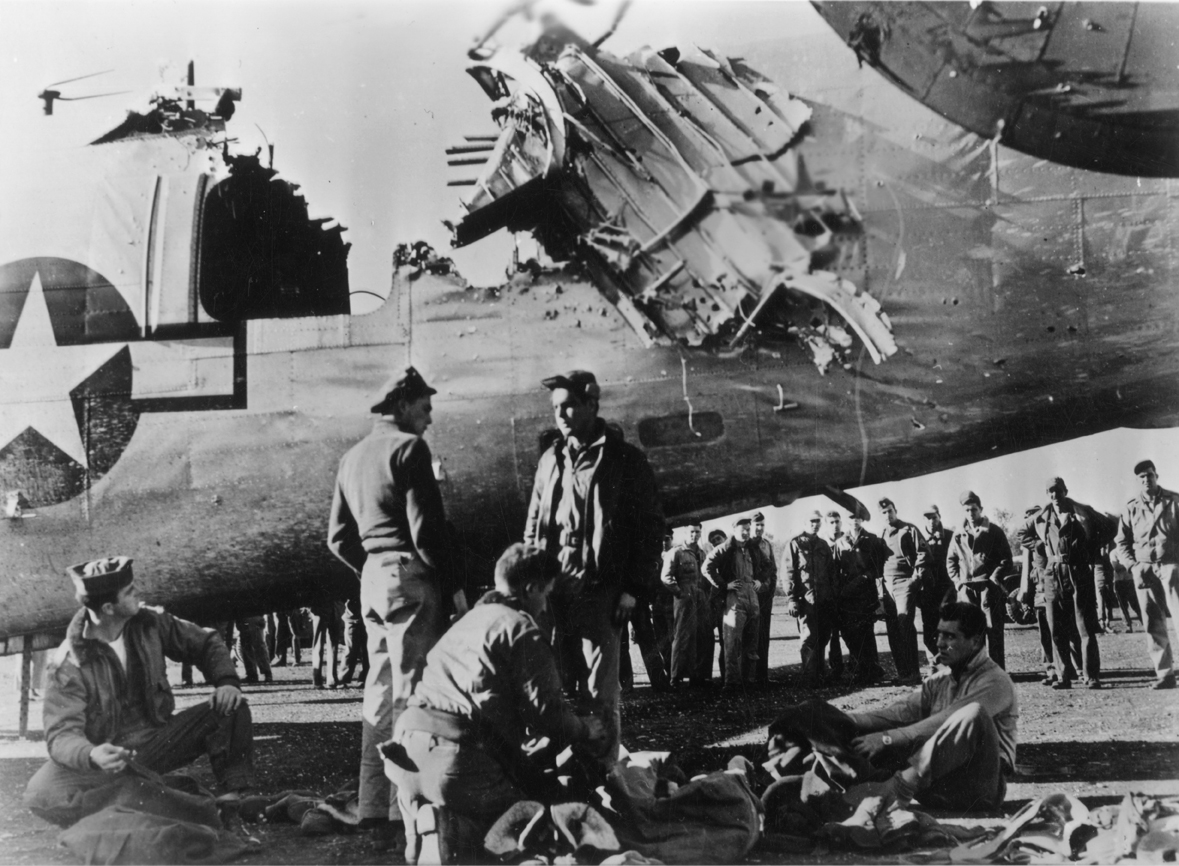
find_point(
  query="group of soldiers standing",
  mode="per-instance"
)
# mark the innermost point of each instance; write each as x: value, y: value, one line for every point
x: 838, y: 584
x: 1080, y: 564
x: 726, y: 587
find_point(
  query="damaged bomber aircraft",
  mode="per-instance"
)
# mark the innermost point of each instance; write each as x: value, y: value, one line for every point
x: 178, y: 362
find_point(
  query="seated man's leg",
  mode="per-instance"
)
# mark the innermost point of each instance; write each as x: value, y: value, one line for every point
x: 960, y: 766
x: 57, y: 793
x: 228, y: 740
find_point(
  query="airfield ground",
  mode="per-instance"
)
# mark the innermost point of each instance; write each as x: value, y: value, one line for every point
x: 1097, y: 745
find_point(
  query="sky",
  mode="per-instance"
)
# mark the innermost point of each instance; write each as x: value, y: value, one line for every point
x: 361, y: 99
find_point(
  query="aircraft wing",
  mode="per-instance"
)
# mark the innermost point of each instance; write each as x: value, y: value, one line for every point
x: 1089, y: 85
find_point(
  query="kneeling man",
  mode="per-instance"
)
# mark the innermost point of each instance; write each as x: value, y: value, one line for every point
x: 489, y: 689
x: 955, y: 737
x: 108, y: 702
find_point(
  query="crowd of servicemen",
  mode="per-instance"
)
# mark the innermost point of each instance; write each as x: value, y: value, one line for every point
x: 465, y: 709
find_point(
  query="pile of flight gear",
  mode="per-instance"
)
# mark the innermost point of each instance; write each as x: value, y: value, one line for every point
x: 646, y: 811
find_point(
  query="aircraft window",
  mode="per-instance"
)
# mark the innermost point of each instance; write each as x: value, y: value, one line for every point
x: 262, y: 256
x: 674, y: 429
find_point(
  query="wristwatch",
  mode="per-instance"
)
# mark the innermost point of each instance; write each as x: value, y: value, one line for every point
x: 886, y: 739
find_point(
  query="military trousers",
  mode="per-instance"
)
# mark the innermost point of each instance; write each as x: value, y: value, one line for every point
x: 901, y: 598
x: 587, y: 651
x: 63, y: 795
x: 1158, y: 596
x: 1072, y: 615
x: 815, y: 622
x: 355, y: 637
x: 742, y: 614
x: 403, y: 619
x: 251, y: 647
x: 960, y: 767
x: 691, y: 606
x: 993, y: 602
x: 929, y: 602
x: 765, y: 600
x: 663, y: 621
x: 856, y: 623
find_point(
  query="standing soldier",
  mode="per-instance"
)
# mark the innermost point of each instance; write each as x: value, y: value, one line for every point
x: 663, y: 616
x: 938, y: 588
x: 905, y: 571
x: 833, y: 526
x: 765, y: 571
x: 388, y: 525
x: 855, y: 556
x: 979, y: 557
x: 683, y: 576
x: 716, y: 617
x: 1148, y: 545
x: 1072, y: 535
x: 595, y: 507
x: 729, y: 568
x: 1034, y: 568
x: 809, y: 582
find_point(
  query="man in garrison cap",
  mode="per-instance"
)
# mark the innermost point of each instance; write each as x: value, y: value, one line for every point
x: 809, y: 566
x: 1148, y: 544
x: 1071, y: 536
x: 594, y: 507
x: 388, y: 525
x: 979, y: 559
x: 730, y: 567
x: 108, y: 704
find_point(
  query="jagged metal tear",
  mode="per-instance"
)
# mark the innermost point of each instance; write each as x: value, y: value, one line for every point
x: 688, y: 191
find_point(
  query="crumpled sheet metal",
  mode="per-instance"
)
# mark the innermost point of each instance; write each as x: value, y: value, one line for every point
x: 682, y: 177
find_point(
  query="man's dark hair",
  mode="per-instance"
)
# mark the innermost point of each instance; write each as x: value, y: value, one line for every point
x: 95, y: 600
x: 970, y: 617
x: 524, y: 564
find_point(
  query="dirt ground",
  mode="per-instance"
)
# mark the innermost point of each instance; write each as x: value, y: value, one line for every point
x: 1097, y: 745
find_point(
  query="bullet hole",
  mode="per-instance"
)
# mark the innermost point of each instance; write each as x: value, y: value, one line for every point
x: 550, y: 314
x: 1051, y: 329
x: 1077, y: 270
x: 917, y: 425
x: 999, y: 362
x: 1072, y: 329
x: 954, y: 302
x: 558, y: 290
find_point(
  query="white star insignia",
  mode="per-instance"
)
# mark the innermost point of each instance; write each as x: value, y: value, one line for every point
x: 37, y: 375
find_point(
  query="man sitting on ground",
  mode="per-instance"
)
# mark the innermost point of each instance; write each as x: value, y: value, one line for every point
x: 955, y: 736
x: 490, y: 688
x: 108, y: 703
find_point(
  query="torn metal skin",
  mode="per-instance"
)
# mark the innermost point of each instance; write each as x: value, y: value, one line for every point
x: 675, y: 178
